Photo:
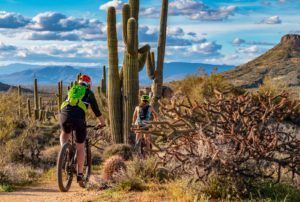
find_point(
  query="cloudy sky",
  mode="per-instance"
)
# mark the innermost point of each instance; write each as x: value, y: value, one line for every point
x: 73, y: 32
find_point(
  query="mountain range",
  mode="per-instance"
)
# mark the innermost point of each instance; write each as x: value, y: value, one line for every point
x: 50, y: 75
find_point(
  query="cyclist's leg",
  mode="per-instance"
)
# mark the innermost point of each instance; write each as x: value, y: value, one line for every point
x: 65, y: 130
x: 80, y: 140
x: 148, y: 141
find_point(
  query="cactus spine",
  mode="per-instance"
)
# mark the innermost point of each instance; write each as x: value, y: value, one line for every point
x: 114, y: 83
x: 36, y: 100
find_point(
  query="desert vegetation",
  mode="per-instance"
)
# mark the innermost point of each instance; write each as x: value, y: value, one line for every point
x: 213, y: 141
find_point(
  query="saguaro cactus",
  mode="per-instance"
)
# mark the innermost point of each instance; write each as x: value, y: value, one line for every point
x: 103, y: 81
x: 130, y: 77
x: 20, y: 101
x: 36, y: 100
x: 155, y: 72
x: 59, y: 94
x: 124, y: 85
x: 29, y: 108
x: 114, y: 83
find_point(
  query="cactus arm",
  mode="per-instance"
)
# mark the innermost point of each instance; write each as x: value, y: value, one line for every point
x: 125, y: 18
x: 131, y: 31
x: 158, y: 81
x: 142, y: 56
x: 150, y: 66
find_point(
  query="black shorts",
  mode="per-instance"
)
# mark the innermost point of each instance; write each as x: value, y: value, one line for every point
x: 77, y: 125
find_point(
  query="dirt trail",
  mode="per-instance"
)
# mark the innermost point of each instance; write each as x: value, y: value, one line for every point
x: 47, y: 192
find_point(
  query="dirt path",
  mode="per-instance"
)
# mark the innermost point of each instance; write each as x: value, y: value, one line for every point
x: 47, y: 192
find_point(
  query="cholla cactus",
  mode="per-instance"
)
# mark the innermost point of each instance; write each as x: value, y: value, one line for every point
x: 111, y: 166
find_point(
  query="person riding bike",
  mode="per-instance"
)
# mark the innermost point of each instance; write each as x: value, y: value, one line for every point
x: 72, y: 117
x: 143, y: 113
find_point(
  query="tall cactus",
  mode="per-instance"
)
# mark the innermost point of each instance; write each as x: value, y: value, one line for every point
x: 29, y: 108
x: 59, y: 94
x: 36, y: 100
x: 103, y: 81
x: 155, y: 72
x: 114, y: 83
x: 130, y: 77
x: 20, y: 101
x: 124, y: 85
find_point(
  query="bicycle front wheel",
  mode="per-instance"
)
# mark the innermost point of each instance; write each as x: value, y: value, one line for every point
x: 64, y: 167
x: 88, y: 163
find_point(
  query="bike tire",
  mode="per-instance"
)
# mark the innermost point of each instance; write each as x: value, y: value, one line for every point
x: 64, y: 186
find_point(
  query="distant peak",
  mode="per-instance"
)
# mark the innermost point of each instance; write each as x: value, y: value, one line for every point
x: 292, y: 40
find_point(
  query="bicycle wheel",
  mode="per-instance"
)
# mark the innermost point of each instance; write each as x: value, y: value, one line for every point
x: 65, y: 167
x: 87, y: 169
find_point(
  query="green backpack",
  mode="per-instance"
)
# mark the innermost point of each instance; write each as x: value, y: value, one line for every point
x: 75, y: 96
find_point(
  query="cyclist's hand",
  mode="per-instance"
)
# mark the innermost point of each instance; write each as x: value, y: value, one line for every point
x: 100, y: 125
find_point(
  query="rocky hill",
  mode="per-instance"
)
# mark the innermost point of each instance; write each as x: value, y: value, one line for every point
x: 281, y: 63
x: 6, y: 88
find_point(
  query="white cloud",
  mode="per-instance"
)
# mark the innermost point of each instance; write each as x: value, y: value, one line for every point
x: 118, y: 4
x: 238, y: 41
x: 53, y: 21
x: 272, y: 20
x: 198, y: 11
x: 249, y: 50
x: 12, y: 20
x: 206, y: 48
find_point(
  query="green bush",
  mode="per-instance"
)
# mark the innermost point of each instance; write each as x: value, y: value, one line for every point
x: 148, y: 170
x: 6, y: 188
x: 275, y: 192
x: 122, y: 150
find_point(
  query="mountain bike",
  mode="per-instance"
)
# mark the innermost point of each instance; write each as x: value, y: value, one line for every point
x: 67, y: 162
x: 140, y: 146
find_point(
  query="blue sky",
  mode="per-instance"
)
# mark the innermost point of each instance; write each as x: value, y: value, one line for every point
x: 73, y: 32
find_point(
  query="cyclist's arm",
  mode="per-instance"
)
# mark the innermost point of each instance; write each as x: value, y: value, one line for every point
x: 134, y: 116
x: 155, y: 115
x: 94, y: 105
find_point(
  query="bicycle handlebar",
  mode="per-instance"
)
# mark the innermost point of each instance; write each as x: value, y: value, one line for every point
x: 95, y: 127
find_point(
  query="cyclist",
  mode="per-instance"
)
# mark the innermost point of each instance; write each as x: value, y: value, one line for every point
x: 72, y: 117
x: 141, y: 114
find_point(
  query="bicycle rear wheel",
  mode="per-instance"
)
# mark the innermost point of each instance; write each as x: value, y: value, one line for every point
x: 65, y: 167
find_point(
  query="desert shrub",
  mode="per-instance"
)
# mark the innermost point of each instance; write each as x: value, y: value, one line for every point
x: 272, y: 86
x: 96, y: 156
x: 274, y: 192
x: 112, y: 166
x: 18, y: 174
x: 49, y: 155
x: 8, y: 116
x: 183, y: 189
x: 202, y: 87
x: 6, y: 188
x: 147, y: 169
x: 236, y: 138
x: 127, y: 180
x: 122, y: 150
